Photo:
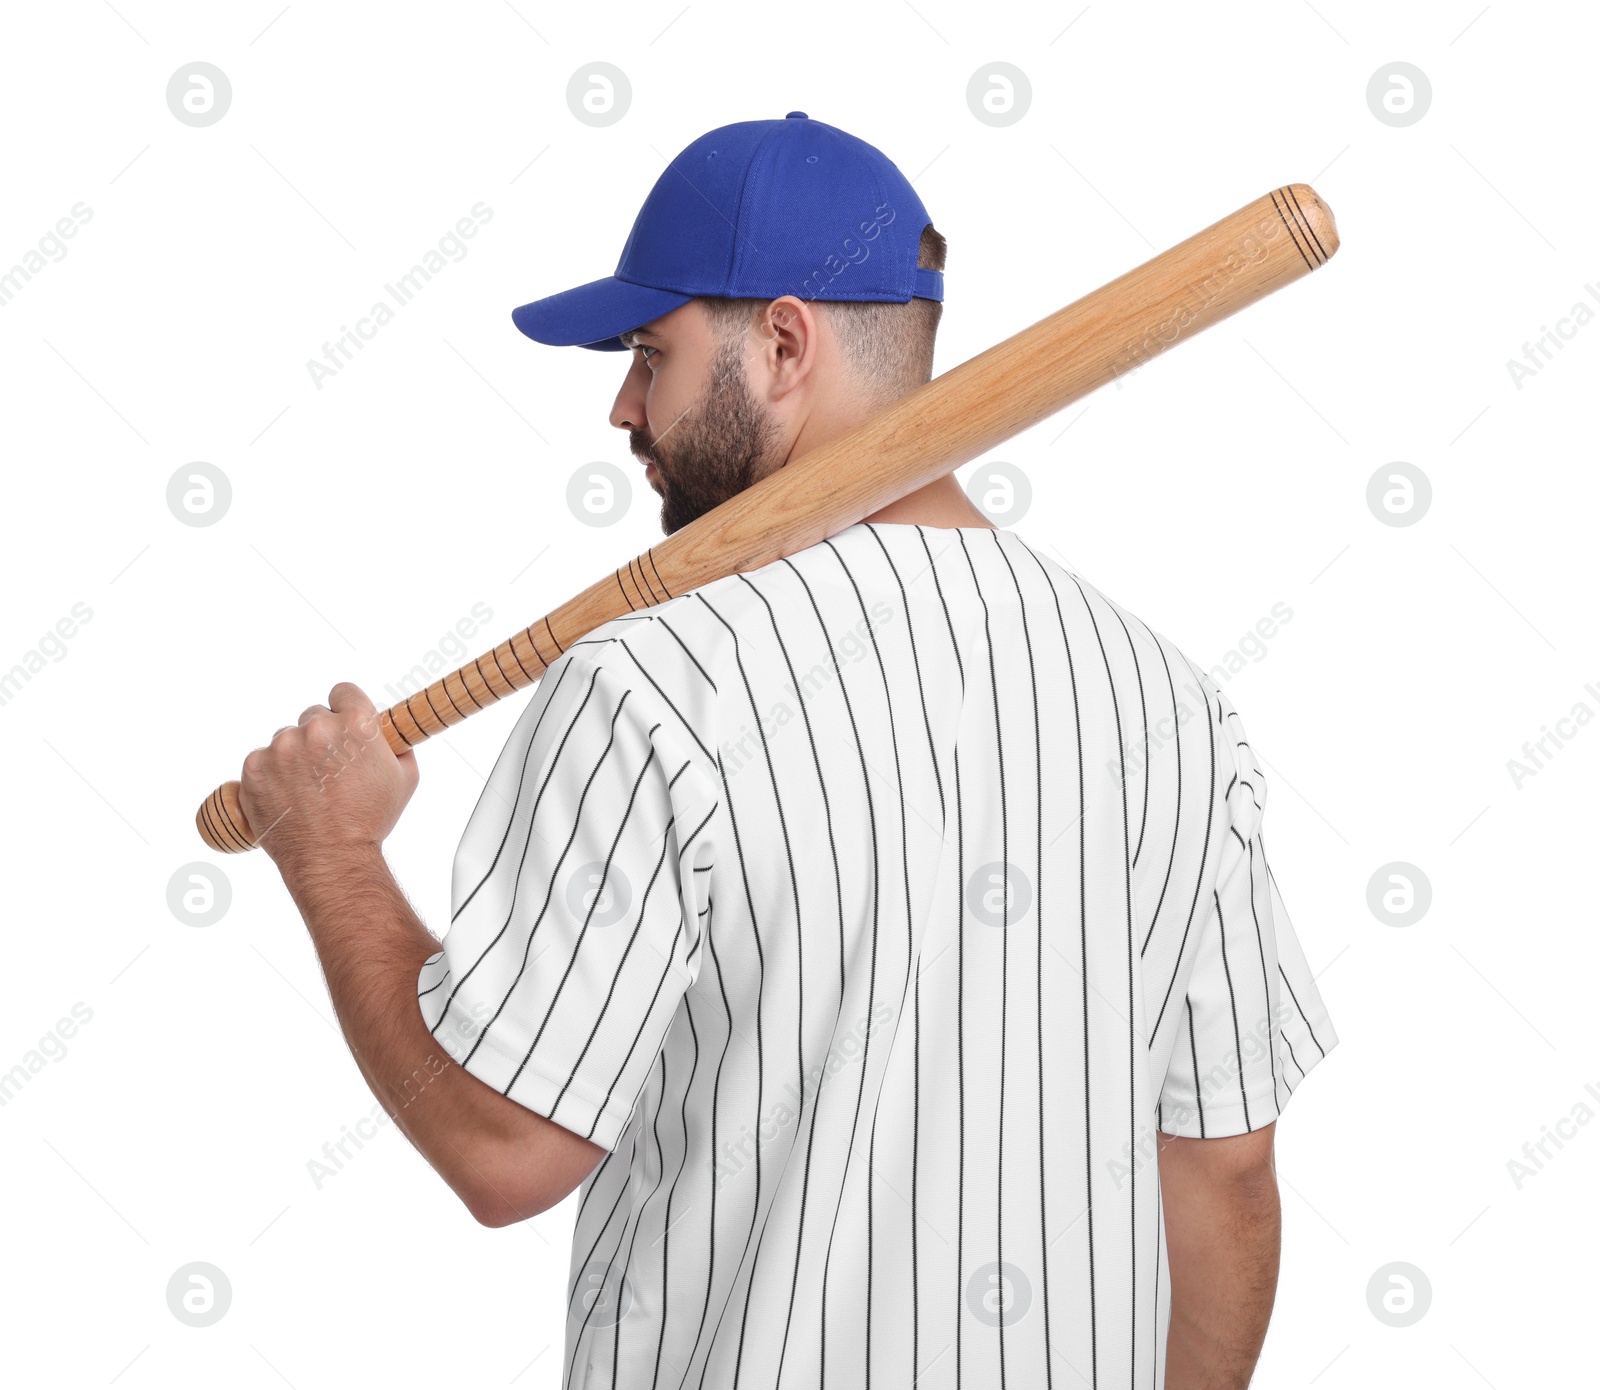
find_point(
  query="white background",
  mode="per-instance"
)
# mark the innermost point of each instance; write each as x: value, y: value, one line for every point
x: 370, y: 515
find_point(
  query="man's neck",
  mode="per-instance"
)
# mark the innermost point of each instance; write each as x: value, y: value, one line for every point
x: 940, y: 503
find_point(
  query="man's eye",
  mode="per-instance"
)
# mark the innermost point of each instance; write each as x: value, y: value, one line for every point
x: 647, y: 351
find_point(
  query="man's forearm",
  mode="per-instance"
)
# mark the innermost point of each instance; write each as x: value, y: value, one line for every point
x: 372, y: 946
x: 1224, y: 1266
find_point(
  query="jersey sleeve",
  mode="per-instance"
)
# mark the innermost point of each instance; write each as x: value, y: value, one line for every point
x: 1253, y: 1022
x: 576, y: 900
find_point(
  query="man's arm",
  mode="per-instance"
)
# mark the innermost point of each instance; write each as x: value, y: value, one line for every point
x: 499, y: 1157
x: 1220, y: 1202
x: 329, y: 790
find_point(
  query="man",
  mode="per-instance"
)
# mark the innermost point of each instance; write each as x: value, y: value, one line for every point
x: 881, y: 941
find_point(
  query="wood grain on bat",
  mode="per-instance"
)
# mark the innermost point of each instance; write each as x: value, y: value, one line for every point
x: 943, y: 424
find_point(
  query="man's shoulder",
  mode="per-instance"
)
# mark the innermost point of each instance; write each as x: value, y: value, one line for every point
x: 1116, y: 621
x: 670, y: 637
x: 666, y: 658
x: 1176, y: 692
x: 1165, y: 674
x: 694, y: 635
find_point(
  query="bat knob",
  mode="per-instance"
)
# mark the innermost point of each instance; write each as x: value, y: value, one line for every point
x: 221, y: 821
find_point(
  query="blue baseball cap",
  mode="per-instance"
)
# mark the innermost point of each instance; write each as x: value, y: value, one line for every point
x: 755, y: 209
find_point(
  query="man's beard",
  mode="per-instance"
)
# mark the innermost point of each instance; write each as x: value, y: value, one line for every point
x: 715, y: 450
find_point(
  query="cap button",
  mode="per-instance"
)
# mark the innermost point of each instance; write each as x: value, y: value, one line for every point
x: 794, y: 115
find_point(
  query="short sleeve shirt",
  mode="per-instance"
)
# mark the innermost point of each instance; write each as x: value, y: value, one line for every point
x: 873, y: 909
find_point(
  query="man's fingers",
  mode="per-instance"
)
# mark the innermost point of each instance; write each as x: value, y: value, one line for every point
x: 311, y: 710
x: 348, y: 698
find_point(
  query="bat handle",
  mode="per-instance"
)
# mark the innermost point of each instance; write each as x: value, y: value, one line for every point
x: 221, y: 820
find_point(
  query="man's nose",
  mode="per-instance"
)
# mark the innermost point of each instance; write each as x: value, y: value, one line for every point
x: 627, y: 411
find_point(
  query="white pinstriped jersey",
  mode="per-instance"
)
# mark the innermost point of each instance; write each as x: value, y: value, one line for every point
x: 873, y: 909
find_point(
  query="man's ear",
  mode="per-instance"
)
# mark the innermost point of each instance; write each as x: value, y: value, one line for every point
x: 789, y: 333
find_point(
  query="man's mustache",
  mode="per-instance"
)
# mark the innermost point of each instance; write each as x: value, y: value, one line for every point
x: 639, y: 442
x: 643, y: 450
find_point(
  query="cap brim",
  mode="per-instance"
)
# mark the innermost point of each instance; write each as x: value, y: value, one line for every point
x: 592, y: 315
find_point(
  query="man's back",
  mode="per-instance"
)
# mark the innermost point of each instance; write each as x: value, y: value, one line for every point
x: 945, y: 892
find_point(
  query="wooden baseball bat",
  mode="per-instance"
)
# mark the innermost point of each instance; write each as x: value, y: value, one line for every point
x: 936, y: 428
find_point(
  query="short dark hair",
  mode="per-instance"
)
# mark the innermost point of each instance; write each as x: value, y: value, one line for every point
x: 889, y: 345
